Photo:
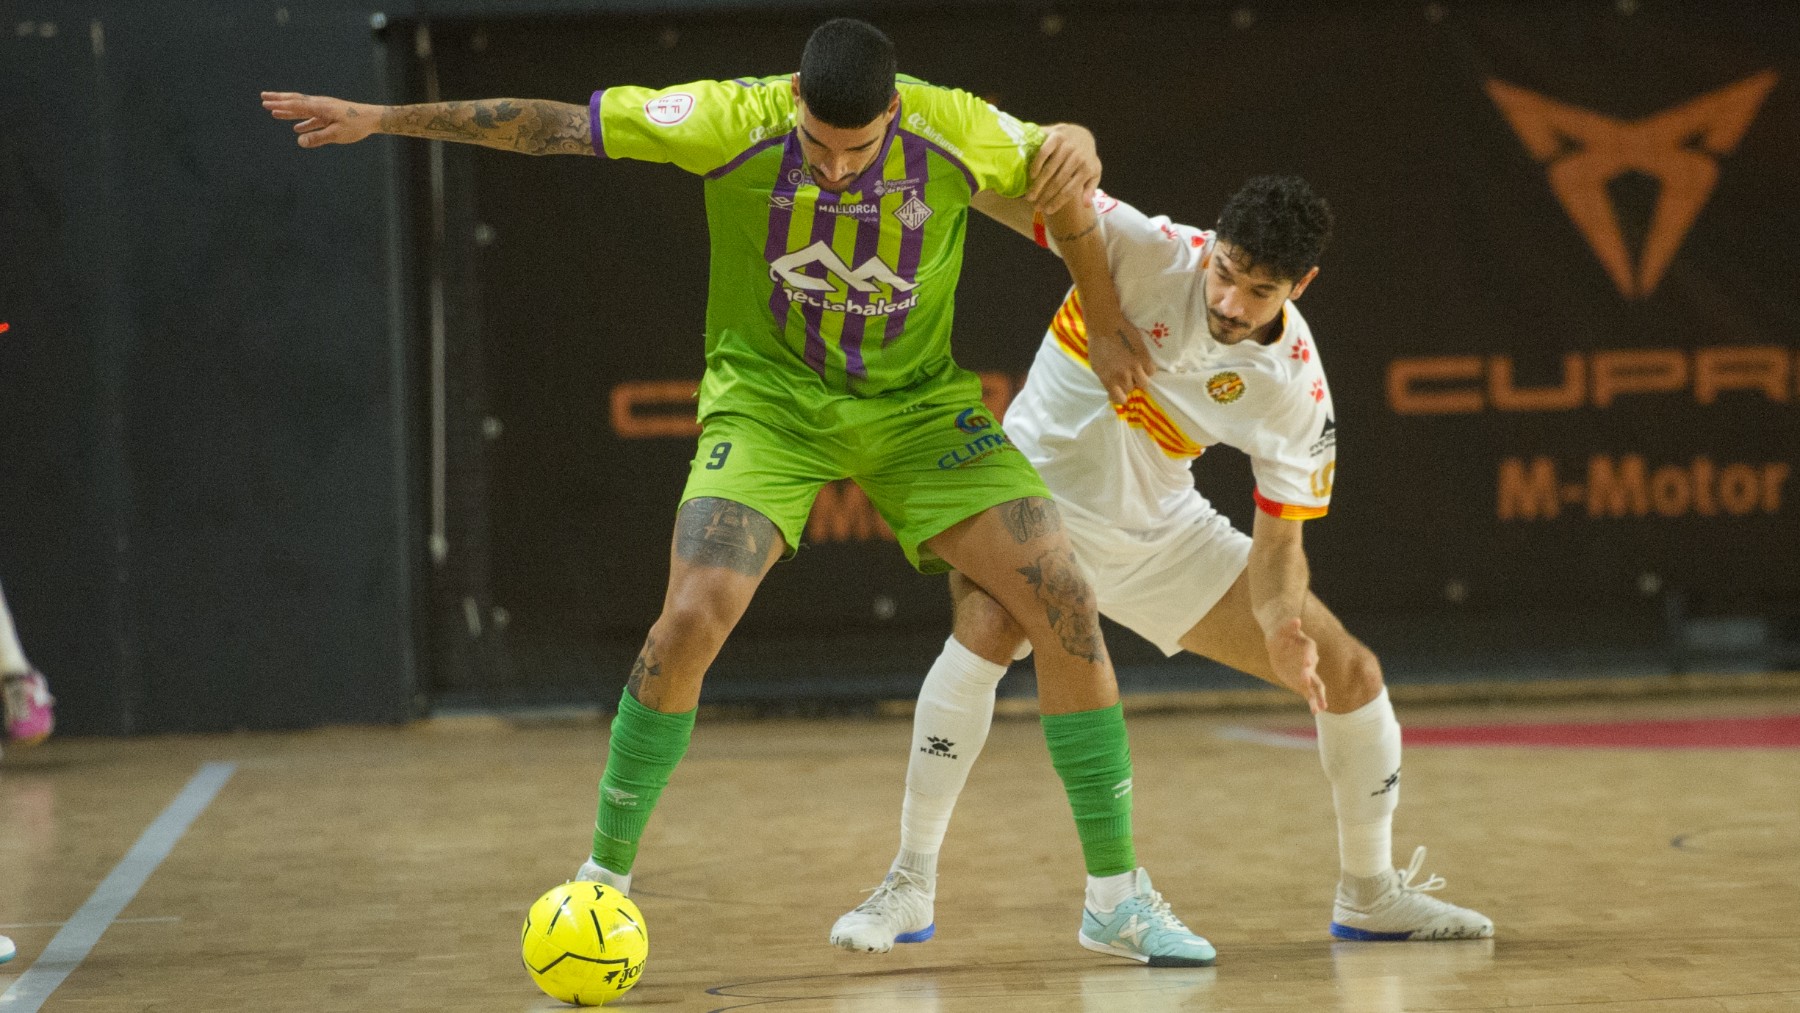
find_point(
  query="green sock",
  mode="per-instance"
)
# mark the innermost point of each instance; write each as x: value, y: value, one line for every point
x: 646, y: 745
x: 1092, y: 756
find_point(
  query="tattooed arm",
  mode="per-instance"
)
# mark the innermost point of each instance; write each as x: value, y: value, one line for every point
x: 528, y: 126
x: 1116, y: 350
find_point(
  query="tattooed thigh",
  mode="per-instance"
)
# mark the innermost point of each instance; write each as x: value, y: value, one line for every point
x: 718, y: 532
x: 1068, y: 602
x: 1030, y: 518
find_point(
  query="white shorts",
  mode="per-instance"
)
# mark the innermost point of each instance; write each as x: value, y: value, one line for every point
x: 1159, y: 583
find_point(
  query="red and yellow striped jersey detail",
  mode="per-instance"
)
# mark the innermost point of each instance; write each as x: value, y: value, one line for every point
x: 1140, y: 410
x: 1285, y: 511
x: 1070, y: 328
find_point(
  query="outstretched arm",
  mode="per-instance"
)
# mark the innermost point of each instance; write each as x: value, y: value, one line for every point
x: 1116, y: 351
x: 1278, y: 588
x: 528, y: 126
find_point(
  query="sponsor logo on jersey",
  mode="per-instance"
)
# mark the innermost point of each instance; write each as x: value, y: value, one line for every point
x: 1327, y: 440
x: 1225, y: 387
x: 916, y: 123
x: 862, y: 278
x: 850, y: 209
x: 1680, y: 148
x: 778, y: 201
x: 668, y: 110
x: 865, y: 277
x: 985, y: 445
x: 887, y: 186
x: 969, y: 422
x: 913, y: 213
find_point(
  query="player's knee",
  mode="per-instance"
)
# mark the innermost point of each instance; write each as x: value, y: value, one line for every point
x: 987, y: 629
x: 1355, y: 678
x: 699, y: 615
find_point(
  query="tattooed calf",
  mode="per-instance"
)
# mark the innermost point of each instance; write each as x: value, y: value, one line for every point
x: 648, y: 666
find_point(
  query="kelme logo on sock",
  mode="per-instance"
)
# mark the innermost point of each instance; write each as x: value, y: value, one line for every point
x: 1122, y: 789
x: 621, y: 797
x: 938, y: 747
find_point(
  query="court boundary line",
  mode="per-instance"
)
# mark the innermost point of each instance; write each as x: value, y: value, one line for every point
x: 72, y: 943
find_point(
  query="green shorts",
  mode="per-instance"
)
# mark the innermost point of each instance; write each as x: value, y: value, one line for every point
x: 924, y: 469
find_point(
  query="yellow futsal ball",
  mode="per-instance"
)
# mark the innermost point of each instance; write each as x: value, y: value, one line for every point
x: 584, y: 943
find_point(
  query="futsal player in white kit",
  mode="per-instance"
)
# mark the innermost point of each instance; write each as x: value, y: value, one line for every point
x: 1231, y: 361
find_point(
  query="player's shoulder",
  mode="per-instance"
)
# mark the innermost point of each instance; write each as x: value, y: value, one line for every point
x: 941, y: 113
x: 923, y: 96
x: 1156, y: 237
x: 738, y: 101
x: 754, y: 99
x: 1297, y: 345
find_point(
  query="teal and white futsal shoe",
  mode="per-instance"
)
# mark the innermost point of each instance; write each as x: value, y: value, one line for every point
x: 1390, y: 908
x: 1144, y: 929
x: 898, y: 911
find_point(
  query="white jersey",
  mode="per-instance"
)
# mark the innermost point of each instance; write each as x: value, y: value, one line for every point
x: 1129, y: 468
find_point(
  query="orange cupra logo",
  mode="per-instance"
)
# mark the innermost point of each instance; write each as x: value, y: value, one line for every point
x: 1678, y: 147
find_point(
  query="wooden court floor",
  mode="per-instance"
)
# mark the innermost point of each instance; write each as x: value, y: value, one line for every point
x: 389, y: 869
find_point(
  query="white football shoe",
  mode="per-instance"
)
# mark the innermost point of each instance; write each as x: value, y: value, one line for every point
x: 1390, y: 908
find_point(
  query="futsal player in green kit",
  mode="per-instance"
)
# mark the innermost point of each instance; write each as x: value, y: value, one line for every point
x: 837, y: 201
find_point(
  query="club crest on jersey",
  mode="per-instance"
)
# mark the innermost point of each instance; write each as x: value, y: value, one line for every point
x: 913, y: 212
x: 1225, y: 387
x: 668, y: 110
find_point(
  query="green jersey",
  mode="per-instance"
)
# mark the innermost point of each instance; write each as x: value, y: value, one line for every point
x: 816, y: 296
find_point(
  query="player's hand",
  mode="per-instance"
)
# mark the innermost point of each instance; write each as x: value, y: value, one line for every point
x: 323, y: 120
x: 1067, y: 168
x: 1296, y: 659
x: 1118, y: 356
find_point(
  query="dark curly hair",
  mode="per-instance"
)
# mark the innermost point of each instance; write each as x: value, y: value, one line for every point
x: 1279, y: 223
x: 847, y: 72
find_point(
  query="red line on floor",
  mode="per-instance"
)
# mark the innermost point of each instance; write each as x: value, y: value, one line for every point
x: 1703, y: 733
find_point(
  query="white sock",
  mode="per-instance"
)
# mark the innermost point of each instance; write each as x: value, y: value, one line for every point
x: 1360, y: 752
x: 12, y: 654
x: 1107, y: 892
x: 916, y: 862
x: 950, y: 725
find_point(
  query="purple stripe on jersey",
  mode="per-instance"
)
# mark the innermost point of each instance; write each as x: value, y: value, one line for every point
x: 953, y: 161
x: 594, y: 123
x: 868, y: 242
x: 748, y: 152
x: 913, y: 148
x: 822, y: 226
x: 781, y: 215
